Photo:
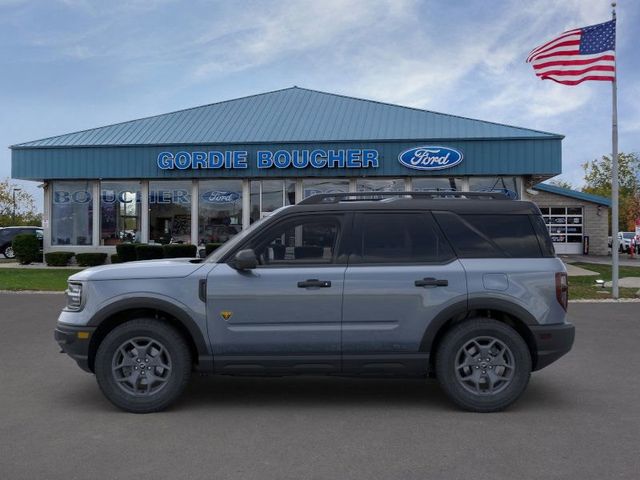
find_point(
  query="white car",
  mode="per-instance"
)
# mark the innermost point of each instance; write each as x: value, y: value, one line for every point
x: 624, y: 241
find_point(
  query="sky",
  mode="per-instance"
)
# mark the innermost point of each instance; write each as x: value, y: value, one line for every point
x: 68, y: 65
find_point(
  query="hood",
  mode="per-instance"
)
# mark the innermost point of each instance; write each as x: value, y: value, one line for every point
x: 167, y: 268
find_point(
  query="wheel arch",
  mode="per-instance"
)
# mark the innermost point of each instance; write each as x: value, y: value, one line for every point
x: 127, y: 309
x: 504, y: 311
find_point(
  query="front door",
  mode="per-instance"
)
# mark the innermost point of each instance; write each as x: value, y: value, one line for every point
x: 402, y: 274
x: 285, y: 314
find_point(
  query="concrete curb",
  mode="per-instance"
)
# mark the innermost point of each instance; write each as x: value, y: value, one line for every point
x: 31, y: 292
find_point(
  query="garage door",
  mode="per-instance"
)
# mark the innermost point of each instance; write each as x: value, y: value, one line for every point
x: 565, y: 227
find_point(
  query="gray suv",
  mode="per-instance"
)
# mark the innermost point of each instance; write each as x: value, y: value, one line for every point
x: 464, y: 287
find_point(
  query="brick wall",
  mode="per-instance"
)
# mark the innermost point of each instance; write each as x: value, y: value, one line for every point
x: 594, y: 225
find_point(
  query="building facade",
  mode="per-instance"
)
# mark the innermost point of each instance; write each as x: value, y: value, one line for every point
x: 201, y: 175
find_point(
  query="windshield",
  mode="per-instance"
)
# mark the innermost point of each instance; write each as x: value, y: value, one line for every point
x: 628, y: 234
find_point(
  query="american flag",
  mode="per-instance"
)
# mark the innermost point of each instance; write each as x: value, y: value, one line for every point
x: 577, y: 55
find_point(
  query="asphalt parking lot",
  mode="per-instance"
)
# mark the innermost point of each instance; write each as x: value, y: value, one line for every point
x: 579, y: 419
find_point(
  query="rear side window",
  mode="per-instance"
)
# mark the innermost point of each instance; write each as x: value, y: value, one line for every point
x: 399, y: 238
x: 546, y: 245
x: 490, y: 236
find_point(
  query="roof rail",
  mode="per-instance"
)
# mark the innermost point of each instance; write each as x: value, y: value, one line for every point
x: 373, y: 196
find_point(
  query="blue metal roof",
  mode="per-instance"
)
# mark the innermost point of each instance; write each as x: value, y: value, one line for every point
x: 289, y: 116
x: 566, y: 192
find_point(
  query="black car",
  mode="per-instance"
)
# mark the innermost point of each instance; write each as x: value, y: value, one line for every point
x: 7, y: 235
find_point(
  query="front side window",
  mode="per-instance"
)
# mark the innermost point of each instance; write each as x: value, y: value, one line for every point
x: 219, y: 210
x: 119, y: 212
x: 399, y: 238
x: 307, y: 240
x: 72, y: 213
x: 170, y: 212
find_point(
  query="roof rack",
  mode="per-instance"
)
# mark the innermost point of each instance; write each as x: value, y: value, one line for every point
x: 377, y: 196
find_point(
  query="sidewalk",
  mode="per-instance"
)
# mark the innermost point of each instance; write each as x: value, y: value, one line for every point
x: 624, y: 259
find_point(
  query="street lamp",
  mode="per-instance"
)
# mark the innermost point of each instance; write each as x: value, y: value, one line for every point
x: 14, y: 203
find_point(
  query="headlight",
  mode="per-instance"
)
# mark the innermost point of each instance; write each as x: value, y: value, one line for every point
x: 74, y: 296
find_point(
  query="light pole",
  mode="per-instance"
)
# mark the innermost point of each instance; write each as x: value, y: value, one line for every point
x: 14, y: 203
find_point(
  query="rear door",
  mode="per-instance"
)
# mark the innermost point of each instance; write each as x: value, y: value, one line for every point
x: 402, y: 273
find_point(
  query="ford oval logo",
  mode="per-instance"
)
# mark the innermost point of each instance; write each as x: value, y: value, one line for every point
x: 430, y: 157
x: 220, y: 197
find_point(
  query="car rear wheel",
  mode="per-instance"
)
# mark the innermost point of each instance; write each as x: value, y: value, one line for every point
x: 483, y: 365
x: 8, y: 252
x: 143, y: 365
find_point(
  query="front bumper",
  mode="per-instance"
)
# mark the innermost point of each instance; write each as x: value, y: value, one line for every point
x: 75, y: 341
x: 552, y: 342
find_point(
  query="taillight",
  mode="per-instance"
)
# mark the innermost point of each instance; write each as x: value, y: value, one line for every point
x: 562, y: 289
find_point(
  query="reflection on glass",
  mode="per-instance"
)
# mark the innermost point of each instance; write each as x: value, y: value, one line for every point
x: 170, y: 212
x: 506, y: 185
x: 72, y: 213
x: 440, y: 184
x: 380, y: 185
x: 316, y: 186
x: 119, y: 212
x: 219, y: 210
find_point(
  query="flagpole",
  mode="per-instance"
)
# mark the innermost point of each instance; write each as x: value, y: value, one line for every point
x: 614, y: 176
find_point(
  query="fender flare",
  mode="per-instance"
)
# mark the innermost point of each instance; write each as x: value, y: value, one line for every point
x: 462, y: 308
x: 156, y: 303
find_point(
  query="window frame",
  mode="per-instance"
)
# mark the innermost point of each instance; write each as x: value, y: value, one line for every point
x: 343, y: 220
x: 355, y: 255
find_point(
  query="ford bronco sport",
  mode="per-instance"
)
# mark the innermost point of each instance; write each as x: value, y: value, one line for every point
x: 461, y: 286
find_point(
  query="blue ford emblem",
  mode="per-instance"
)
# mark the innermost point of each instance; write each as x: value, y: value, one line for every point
x: 430, y: 158
x: 219, y: 197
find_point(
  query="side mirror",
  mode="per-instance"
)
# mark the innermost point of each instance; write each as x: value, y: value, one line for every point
x: 245, y: 260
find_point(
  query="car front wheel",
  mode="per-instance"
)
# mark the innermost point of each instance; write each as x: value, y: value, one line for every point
x: 143, y: 365
x: 483, y: 365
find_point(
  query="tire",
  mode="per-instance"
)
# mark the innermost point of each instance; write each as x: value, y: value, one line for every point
x: 472, y: 382
x: 8, y: 252
x: 135, y: 352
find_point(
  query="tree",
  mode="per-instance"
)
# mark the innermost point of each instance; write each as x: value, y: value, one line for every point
x: 25, y: 206
x: 559, y: 182
x: 598, y: 182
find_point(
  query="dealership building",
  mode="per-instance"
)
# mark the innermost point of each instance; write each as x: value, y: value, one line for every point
x: 202, y: 174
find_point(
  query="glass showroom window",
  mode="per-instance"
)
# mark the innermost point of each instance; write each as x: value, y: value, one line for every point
x: 440, y: 184
x: 316, y: 185
x: 380, y: 185
x: 506, y: 185
x: 219, y: 210
x: 119, y: 212
x: 72, y: 213
x: 269, y: 195
x: 170, y: 212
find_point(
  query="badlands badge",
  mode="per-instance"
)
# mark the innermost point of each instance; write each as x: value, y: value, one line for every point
x: 226, y: 314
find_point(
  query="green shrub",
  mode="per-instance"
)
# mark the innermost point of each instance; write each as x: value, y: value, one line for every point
x: 127, y: 252
x: 90, y: 259
x: 211, y: 247
x: 115, y: 258
x: 27, y: 248
x: 58, y: 259
x: 179, y: 250
x: 148, y: 252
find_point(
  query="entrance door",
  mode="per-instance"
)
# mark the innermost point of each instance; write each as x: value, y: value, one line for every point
x: 286, y: 313
x: 402, y: 274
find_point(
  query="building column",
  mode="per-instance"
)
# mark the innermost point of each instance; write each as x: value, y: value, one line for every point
x: 299, y: 192
x: 246, y: 203
x: 194, y: 211
x: 95, y: 188
x: 144, y: 212
x: 46, y: 216
x: 408, y: 184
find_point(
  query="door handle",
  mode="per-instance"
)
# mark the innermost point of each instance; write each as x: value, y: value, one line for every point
x: 431, y: 282
x: 313, y: 282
